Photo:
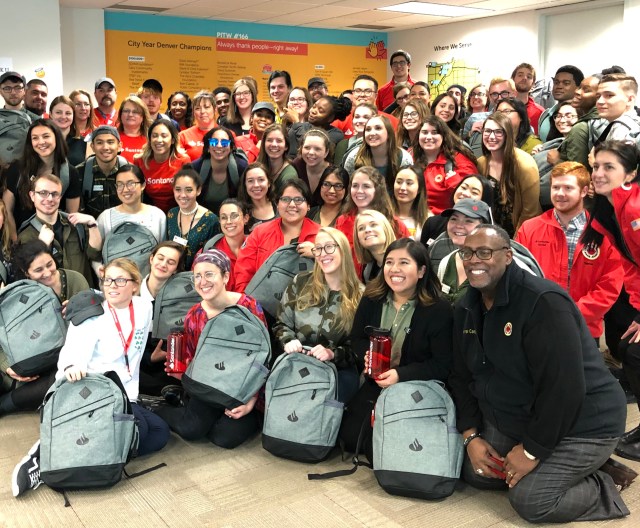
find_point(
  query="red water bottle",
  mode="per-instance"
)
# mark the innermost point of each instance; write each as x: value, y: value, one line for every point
x: 176, y: 360
x: 379, y: 351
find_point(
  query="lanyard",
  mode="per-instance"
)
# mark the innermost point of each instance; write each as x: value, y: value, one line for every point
x: 125, y: 344
x: 185, y: 235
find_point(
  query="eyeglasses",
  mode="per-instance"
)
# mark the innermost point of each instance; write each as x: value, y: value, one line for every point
x: 503, y: 93
x: 214, y: 142
x: 507, y: 111
x: 129, y: 111
x: 242, y: 94
x: 410, y: 115
x: 499, y: 134
x: 46, y: 194
x: 399, y: 63
x: 568, y: 117
x: 298, y: 200
x: 328, y: 186
x: 481, y: 253
x: 14, y: 89
x: 208, y: 276
x: 403, y: 98
x: 478, y: 94
x: 130, y: 185
x: 297, y: 99
x: 329, y: 249
x: 119, y: 282
x: 82, y: 105
x: 360, y: 91
x: 232, y: 217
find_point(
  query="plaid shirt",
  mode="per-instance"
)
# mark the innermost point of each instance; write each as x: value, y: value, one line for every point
x: 572, y: 232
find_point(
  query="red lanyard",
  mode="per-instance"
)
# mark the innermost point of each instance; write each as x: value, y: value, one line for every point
x: 125, y: 344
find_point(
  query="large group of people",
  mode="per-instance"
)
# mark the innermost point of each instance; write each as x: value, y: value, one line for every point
x: 415, y: 213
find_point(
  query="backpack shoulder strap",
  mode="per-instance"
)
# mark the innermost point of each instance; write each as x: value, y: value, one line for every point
x: 205, y: 169
x: 87, y: 178
x: 64, y: 176
x: 82, y: 232
x: 233, y: 171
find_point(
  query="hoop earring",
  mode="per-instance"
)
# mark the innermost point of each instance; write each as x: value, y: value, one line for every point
x: 626, y: 186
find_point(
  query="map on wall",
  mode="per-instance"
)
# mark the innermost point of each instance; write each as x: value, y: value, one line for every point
x: 441, y: 75
x: 195, y: 54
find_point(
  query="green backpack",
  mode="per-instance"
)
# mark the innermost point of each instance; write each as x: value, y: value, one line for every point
x: 302, y: 414
x: 417, y: 449
x: 230, y: 363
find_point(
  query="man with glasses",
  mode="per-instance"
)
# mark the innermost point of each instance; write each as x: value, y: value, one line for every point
x: 317, y: 88
x: 35, y: 97
x: 400, y: 63
x: 538, y: 410
x: 524, y: 77
x: 500, y: 89
x: 15, y: 119
x: 565, y: 83
x: 365, y: 89
x: 98, y: 172
x: 74, y: 238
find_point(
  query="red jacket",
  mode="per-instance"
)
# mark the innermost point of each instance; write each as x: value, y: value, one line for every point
x: 248, y: 143
x: 534, y: 111
x: 626, y: 205
x: 440, y: 186
x: 385, y: 93
x: 261, y: 244
x: 596, y: 276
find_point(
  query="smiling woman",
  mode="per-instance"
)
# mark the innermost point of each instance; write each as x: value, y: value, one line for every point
x: 405, y: 300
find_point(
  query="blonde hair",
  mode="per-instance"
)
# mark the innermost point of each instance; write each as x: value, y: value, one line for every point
x: 128, y: 266
x: 363, y: 255
x: 146, y: 116
x: 316, y: 291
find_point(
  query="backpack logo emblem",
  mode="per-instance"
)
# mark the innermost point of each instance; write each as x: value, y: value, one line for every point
x: 130, y: 240
x: 188, y: 288
x: 84, y: 440
x: 180, y: 322
x: 508, y: 329
x: 417, y: 397
x: 304, y: 372
x: 85, y: 392
x: 24, y: 299
x: 220, y: 366
x: 35, y: 335
x: 415, y: 446
x: 294, y: 418
x: 239, y: 330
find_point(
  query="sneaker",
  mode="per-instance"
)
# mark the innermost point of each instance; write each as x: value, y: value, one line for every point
x: 26, y: 475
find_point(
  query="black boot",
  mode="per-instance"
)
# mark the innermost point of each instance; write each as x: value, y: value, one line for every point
x: 622, y: 475
x: 630, y: 437
x: 630, y: 451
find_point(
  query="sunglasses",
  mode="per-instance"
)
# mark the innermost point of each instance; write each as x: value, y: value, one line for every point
x: 214, y: 142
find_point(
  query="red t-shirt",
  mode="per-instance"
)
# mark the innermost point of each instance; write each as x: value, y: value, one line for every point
x: 191, y: 141
x: 104, y: 119
x: 159, y: 177
x: 132, y: 145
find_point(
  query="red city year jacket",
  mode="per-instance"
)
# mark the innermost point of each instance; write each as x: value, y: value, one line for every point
x: 595, y: 279
x: 440, y: 185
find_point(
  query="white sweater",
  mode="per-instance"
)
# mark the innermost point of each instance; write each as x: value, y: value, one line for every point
x: 95, y: 345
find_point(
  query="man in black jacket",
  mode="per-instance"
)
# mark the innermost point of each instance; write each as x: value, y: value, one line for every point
x: 538, y: 410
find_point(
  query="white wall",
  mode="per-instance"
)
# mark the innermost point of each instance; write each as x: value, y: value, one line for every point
x: 83, y: 55
x: 31, y: 38
x: 495, y: 44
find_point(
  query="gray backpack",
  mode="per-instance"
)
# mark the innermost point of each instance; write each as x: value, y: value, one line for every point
x: 130, y: 240
x: 302, y: 415
x: 544, y: 170
x: 87, y: 433
x: 32, y: 330
x: 417, y: 450
x: 230, y: 363
x: 275, y: 274
x: 172, y: 303
x: 14, y: 125
x: 211, y: 243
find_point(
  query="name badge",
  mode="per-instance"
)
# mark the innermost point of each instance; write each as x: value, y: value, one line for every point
x: 98, y: 188
x: 179, y: 240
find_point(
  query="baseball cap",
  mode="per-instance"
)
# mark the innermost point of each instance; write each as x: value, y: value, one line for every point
x: 12, y: 75
x: 315, y: 80
x: 264, y: 106
x: 105, y: 80
x: 83, y: 305
x: 105, y: 129
x: 471, y: 208
x: 152, y: 84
